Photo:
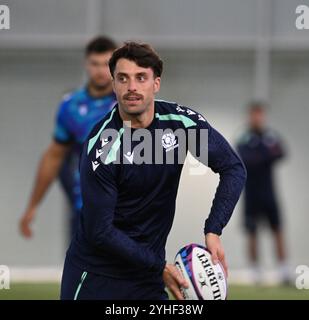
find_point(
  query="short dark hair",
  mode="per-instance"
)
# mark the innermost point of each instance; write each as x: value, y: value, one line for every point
x: 141, y: 53
x: 257, y: 105
x: 100, y: 44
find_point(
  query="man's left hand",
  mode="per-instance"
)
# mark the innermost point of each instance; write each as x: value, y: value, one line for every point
x: 213, y: 244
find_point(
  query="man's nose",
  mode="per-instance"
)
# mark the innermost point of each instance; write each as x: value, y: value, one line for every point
x: 132, y: 86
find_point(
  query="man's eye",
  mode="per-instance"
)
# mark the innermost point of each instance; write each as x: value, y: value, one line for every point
x: 141, y: 78
x: 122, y: 79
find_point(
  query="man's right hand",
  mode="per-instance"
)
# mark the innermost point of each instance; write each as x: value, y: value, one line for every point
x: 25, y: 222
x: 47, y: 171
x: 174, y: 280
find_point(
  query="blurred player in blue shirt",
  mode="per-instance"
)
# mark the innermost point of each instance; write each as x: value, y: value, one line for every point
x: 261, y: 148
x: 78, y: 112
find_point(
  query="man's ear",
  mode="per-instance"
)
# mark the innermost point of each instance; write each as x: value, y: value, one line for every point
x: 157, y: 84
x: 113, y: 83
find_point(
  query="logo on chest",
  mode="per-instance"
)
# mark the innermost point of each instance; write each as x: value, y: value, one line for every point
x: 169, y: 141
x: 83, y: 109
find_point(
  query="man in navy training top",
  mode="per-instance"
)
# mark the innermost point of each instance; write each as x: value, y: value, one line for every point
x: 261, y: 148
x: 128, y: 208
x: 78, y: 112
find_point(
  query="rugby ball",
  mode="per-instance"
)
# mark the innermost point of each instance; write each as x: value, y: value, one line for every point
x: 206, y: 280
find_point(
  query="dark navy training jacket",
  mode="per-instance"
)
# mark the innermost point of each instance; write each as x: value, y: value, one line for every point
x: 128, y: 207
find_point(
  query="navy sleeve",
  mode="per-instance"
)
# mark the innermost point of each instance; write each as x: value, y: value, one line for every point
x: 222, y: 159
x: 99, y: 190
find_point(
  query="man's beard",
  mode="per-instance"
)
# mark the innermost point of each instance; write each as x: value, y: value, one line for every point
x: 99, y: 86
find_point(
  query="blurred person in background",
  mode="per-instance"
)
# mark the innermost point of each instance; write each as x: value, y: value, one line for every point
x: 78, y: 112
x: 261, y: 149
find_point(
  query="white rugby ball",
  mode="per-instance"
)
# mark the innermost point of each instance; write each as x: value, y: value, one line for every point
x: 206, y: 280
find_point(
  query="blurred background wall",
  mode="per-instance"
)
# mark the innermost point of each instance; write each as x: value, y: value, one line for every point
x: 218, y: 54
